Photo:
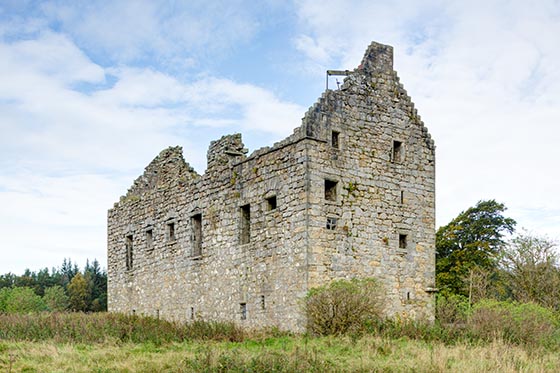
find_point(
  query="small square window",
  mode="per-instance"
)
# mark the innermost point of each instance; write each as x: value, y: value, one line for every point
x: 331, y: 223
x: 334, y: 139
x: 402, y: 241
x: 330, y: 190
x: 271, y: 203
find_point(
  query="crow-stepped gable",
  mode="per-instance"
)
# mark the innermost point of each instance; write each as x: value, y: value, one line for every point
x: 351, y: 193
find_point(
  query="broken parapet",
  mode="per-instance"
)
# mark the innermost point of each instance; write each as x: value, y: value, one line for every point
x: 168, y: 168
x: 225, y: 152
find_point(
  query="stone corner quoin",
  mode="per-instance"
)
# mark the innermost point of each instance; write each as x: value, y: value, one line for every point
x: 350, y: 194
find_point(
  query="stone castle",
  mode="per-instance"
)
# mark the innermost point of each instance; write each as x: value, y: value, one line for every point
x: 351, y: 193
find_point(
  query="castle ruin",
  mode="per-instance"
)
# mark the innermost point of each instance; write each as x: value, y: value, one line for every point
x: 351, y: 193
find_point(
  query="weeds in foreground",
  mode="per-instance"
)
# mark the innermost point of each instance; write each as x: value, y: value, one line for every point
x: 103, y: 327
x: 321, y: 354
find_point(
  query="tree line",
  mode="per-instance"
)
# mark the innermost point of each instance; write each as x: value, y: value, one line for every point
x: 66, y: 288
x: 479, y: 255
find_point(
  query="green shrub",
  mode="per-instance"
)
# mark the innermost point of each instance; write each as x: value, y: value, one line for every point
x: 22, y: 300
x: 4, y: 293
x: 518, y: 323
x: 343, y: 306
x: 452, y: 309
x: 56, y: 299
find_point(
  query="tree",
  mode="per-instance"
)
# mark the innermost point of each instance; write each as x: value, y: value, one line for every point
x: 78, y: 293
x: 474, y: 239
x: 97, y: 285
x: 8, y: 280
x: 56, y: 299
x: 95, y: 277
x: 23, y: 300
x: 531, y: 264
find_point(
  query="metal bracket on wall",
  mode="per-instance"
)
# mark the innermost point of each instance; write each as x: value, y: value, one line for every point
x: 336, y: 73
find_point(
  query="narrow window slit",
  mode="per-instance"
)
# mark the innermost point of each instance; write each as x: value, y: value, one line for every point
x: 245, y: 232
x: 149, y: 239
x: 334, y: 139
x: 397, y: 151
x: 196, y: 238
x: 171, y: 231
x: 243, y: 310
x: 129, y: 252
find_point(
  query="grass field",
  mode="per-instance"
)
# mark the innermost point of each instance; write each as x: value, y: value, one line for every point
x: 277, y: 354
x: 73, y: 342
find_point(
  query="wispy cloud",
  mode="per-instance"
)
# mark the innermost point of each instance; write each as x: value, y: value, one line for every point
x: 67, y: 152
x: 92, y: 91
x: 485, y: 80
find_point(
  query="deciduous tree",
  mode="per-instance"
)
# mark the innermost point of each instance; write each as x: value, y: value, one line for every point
x: 78, y: 293
x: 474, y: 239
x: 56, y: 299
x: 531, y: 264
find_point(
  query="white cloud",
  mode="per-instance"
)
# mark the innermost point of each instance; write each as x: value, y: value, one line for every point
x: 54, y: 217
x: 485, y: 80
x: 97, y: 98
x: 133, y: 30
x: 62, y: 147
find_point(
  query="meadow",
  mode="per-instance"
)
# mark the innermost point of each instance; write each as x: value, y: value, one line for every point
x: 101, y: 342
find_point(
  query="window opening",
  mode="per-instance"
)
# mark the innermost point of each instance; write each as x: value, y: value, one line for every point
x: 263, y: 304
x: 331, y: 223
x: 397, y: 151
x: 243, y: 310
x: 196, y: 222
x: 271, y: 203
x: 334, y: 139
x: 245, y: 234
x: 330, y: 190
x: 402, y: 197
x: 171, y: 231
x: 402, y: 241
x: 149, y: 239
x: 129, y: 250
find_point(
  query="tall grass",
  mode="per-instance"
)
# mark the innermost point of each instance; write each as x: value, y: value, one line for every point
x: 527, y: 325
x: 293, y: 354
x: 102, y: 327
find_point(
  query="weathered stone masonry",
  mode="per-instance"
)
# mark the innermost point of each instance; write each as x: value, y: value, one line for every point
x: 351, y: 193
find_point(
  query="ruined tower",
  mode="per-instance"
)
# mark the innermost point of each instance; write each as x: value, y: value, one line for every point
x: 351, y: 193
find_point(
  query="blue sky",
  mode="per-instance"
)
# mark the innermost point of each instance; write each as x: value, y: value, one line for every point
x: 91, y: 91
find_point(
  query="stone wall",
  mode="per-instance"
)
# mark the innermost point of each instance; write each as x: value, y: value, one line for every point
x: 349, y: 194
x: 383, y: 161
